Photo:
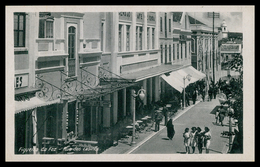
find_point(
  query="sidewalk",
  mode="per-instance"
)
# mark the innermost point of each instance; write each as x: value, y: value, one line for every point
x: 125, y: 148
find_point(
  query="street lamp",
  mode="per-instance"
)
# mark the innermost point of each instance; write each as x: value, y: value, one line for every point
x: 141, y: 94
x: 188, y: 77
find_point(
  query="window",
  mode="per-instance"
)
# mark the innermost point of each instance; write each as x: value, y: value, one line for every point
x: 161, y: 53
x: 165, y: 54
x: 181, y: 51
x: 153, y: 38
x: 165, y: 24
x: 128, y: 38
x: 169, y: 25
x: 71, y: 43
x: 120, y: 38
x: 45, y: 25
x: 170, y: 54
x: 136, y: 39
x: 19, y: 29
x: 192, y: 45
x: 173, y: 52
x: 148, y: 37
x: 102, y: 36
x: 185, y: 46
x: 161, y: 24
x: 178, y: 47
x: 140, y: 38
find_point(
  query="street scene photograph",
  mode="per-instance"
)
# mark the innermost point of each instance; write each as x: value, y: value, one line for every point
x: 126, y: 82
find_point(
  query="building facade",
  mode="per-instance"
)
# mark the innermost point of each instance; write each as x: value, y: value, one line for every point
x: 203, y: 55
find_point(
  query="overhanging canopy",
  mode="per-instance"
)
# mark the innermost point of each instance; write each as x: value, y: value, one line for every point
x: 34, y: 102
x: 175, y: 78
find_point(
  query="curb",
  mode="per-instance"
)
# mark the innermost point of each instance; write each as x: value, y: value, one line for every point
x: 153, y: 134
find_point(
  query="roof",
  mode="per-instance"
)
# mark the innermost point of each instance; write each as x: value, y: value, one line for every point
x: 235, y: 35
x: 176, y: 16
x: 195, y: 21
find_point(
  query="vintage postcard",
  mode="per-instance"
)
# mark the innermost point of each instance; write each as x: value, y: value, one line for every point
x: 130, y: 83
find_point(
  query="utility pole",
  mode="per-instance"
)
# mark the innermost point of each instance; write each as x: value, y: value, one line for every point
x: 213, y: 15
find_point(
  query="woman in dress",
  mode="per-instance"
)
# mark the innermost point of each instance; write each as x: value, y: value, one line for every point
x: 186, y: 137
x: 207, y: 137
x: 170, y: 129
x: 200, y: 138
x: 193, y: 139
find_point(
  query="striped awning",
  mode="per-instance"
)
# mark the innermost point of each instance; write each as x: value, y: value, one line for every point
x: 34, y: 102
x: 175, y: 78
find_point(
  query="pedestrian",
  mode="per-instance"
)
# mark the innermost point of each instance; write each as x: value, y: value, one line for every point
x: 187, y: 99
x: 207, y: 137
x: 165, y: 113
x: 203, y: 94
x: 186, y: 137
x: 221, y: 115
x: 170, y: 129
x: 193, y: 140
x: 194, y: 96
x: 210, y: 93
x: 200, y: 138
x: 217, y: 115
x: 158, y: 118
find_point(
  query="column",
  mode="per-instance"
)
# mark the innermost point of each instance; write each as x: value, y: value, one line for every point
x: 114, y: 43
x: 106, y: 112
x: 150, y: 91
x: 133, y: 32
x: 157, y: 92
x: 33, y: 29
x: 124, y: 102
x: 64, y: 118
x: 35, y: 135
x: 115, y: 106
x: 81, y: 119
x: 145, y: 31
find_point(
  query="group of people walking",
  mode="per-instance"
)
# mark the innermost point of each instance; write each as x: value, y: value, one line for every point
x: 196, y: 138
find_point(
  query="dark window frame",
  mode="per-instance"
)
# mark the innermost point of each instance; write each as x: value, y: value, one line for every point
x: 18, y: 30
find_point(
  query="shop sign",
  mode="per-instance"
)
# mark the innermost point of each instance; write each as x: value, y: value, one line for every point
x: 126, y: 16
x: 140, y: 17
x: 230, y: 47
x: 21, y: 81
x: 151, y: 18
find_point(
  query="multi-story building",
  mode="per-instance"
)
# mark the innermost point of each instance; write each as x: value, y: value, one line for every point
x: 80, y: 69
x: 203, y: 55
x: 60, y: 59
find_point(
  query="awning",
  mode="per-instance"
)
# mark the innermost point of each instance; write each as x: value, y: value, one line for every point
x: 175, y: 78
x: 151, y: 72
x: 34, y: 102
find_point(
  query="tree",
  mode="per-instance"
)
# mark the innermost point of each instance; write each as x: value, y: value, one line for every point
x: 233, y: 88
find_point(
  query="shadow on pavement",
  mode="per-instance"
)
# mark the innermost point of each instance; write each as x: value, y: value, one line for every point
x: 165, y: 138
x: 215, y: 151
x: 181, y: 152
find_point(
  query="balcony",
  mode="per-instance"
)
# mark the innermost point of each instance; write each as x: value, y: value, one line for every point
x: 50, y: 48
x: 89, y: 45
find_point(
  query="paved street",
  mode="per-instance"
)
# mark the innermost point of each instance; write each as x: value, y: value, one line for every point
x: 200, y: 115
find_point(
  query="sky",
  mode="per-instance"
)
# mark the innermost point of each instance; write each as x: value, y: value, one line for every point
x: 233, y: 20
